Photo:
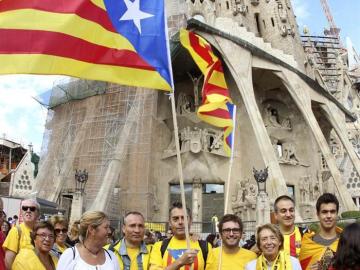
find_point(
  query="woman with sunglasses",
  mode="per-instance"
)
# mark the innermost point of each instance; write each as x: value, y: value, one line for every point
x: 89, y: 254
x: 61, y: 228
x: 38, y: 258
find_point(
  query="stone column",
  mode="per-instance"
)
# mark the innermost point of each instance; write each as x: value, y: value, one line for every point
x: 197, y: 201
x: 262, y: 209
x: 333, y: 115
x: 300, y: 92
x: 76, y: 206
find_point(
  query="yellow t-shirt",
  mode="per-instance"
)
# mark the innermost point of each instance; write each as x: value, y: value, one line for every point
x: 12, y: 240
x: 133, y: 252
x: 174, y: 251
x: 62, y: 249
x: 27, y: 260
x: 231, y: 261
x: 292, y: 243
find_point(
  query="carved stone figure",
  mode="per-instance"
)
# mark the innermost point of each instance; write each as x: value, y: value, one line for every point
x: 289, y: 153
x: 185, y: 104
x: 271, y: 117
x: 196, y: 81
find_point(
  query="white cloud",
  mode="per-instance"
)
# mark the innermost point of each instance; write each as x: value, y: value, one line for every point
x: 301, y: 10
x: 22, y: 118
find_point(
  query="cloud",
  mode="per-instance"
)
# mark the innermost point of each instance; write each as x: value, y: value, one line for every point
x: 22, y: 118
x: 301, y: 10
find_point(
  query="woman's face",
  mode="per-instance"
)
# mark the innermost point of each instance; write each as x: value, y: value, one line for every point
x: 5, y: 227
x: 44, y: 240
x: 269, y: 244
x: 101, y: 232
x: 61, y: 233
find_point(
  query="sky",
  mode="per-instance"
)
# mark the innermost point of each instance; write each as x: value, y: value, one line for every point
x: 22, y: 119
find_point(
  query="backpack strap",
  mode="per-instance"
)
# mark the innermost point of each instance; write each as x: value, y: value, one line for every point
x: 108, y: 253
x: 204, y: 249
x: 73, y: 250
x: 164, y: 246
x: 112, y: 245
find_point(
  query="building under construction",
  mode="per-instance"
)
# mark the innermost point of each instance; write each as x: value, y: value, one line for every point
x: 298, y: 106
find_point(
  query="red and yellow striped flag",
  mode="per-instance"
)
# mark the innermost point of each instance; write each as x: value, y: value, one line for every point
x: 87, y: 39
x: 216, y: 102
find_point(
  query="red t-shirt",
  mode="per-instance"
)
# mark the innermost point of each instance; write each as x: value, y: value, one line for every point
x: 2, y: 252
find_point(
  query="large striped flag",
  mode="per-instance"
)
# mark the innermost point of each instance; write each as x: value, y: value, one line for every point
x: 120, y: 41
x: 217, y: 107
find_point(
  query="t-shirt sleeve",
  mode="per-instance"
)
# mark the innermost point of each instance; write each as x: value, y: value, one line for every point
x: 156, y: 260
x: 66, y: 261
x: 12, y: 240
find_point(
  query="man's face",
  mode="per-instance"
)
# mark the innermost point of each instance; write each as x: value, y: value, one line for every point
x: 177, y: 224
x: 285, y: 214
x: 134, y: 229
x: 231, y: 234
x: 29, y: 212
x: 327, y: 216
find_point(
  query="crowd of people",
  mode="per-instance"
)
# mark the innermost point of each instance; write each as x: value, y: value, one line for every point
x: 90, y: 243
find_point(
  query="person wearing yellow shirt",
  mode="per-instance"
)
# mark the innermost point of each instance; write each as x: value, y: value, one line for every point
x: 172, y: 253
x: 131, y: 251
x: 61, y: 228
x: 318, y: 249
x: 229, y: 255
x: 19, y: 236
x: 284, y: 209
x: 38, y: 258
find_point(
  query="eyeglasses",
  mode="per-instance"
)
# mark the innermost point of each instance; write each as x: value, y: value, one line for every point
x: 45, y: 236
x: 57, y: 231
x: 233, y: 230
x: 26, y: 208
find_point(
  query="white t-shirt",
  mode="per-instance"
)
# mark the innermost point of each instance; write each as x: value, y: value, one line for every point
x: 294, y: 263
x: 68, y: 261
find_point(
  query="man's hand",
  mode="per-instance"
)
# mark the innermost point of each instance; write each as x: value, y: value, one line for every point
x: 188, y: 257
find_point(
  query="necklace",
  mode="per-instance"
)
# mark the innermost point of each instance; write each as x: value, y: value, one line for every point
x: 93, y: 253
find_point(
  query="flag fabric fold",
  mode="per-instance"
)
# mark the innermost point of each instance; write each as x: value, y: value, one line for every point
x: 106, y: 40
x: 217, y: 107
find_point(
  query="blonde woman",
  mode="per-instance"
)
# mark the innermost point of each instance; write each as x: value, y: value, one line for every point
x: 61, y: 228
x: 270, y: 241
x: 89, y: 254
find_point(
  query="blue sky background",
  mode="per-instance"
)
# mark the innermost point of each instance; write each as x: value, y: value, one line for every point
x: 22, y: 119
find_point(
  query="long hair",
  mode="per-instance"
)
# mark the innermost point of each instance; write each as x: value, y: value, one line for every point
x: 348, y: 250
x: 90, y: 219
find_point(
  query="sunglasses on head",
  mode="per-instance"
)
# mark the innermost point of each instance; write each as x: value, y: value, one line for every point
x: 57, y: 231
x: 26, y: 208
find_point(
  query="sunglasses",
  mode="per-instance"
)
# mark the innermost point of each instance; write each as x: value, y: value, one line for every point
x: 57, y: 231
x: 26, y: 208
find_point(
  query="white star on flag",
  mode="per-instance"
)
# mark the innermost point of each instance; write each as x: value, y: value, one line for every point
x: 134, y: 13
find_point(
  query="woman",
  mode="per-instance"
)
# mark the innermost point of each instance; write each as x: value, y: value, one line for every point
x: 348, y: 250
x: 74, y: 233
x: 5, y: 227
x: 270, y: 242
x: 89, y: 254
x: 39, y: 258
x: 61, y: 228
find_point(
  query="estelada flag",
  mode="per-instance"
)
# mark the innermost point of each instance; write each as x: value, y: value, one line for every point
x: 120, y: 41
x: 217, y: 107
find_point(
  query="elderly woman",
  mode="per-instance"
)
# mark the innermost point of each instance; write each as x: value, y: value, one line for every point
x: 270, y: 242
x: 61, y: 228
x: 89, y: 254
x: 38, y: 258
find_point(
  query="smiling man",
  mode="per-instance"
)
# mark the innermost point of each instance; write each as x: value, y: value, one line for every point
x: 232, y: 257
x: 131, y: 251
x: 172, y: 254
x: 284, y: 209
x: 317, y: 249
x: 19, y: 236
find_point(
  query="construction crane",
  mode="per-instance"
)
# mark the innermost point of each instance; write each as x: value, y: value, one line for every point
x: 334, y: 30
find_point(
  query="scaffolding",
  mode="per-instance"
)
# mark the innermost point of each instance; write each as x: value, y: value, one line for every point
x: 85, y: 125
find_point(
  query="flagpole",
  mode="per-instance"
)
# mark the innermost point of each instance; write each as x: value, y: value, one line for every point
x: 176, y: 135
x: 227, y: 183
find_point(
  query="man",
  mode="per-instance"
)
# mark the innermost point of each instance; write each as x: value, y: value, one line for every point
x: 233, y: 256
x: 19, y: 236
x: 317, y: 249
x: 2, y: 236
x: 131, y: 251
x: 284, y: 208
x: 172, y: 254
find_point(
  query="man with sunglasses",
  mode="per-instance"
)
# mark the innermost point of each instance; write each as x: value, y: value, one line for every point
x: 230, y: 255
x: 19, y: 236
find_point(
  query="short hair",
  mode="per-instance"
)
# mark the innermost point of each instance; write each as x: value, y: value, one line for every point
x: 230, y: 217
x: 282, y: 198
x: 272, y: 228
x: 90, y: 219
x: 37, y: 205
x: 41, y: 225
x: 58, y: 219
x: 325, y: 199
x: 179, y: 206
x: 348, y: 250
x: 132, y: 213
